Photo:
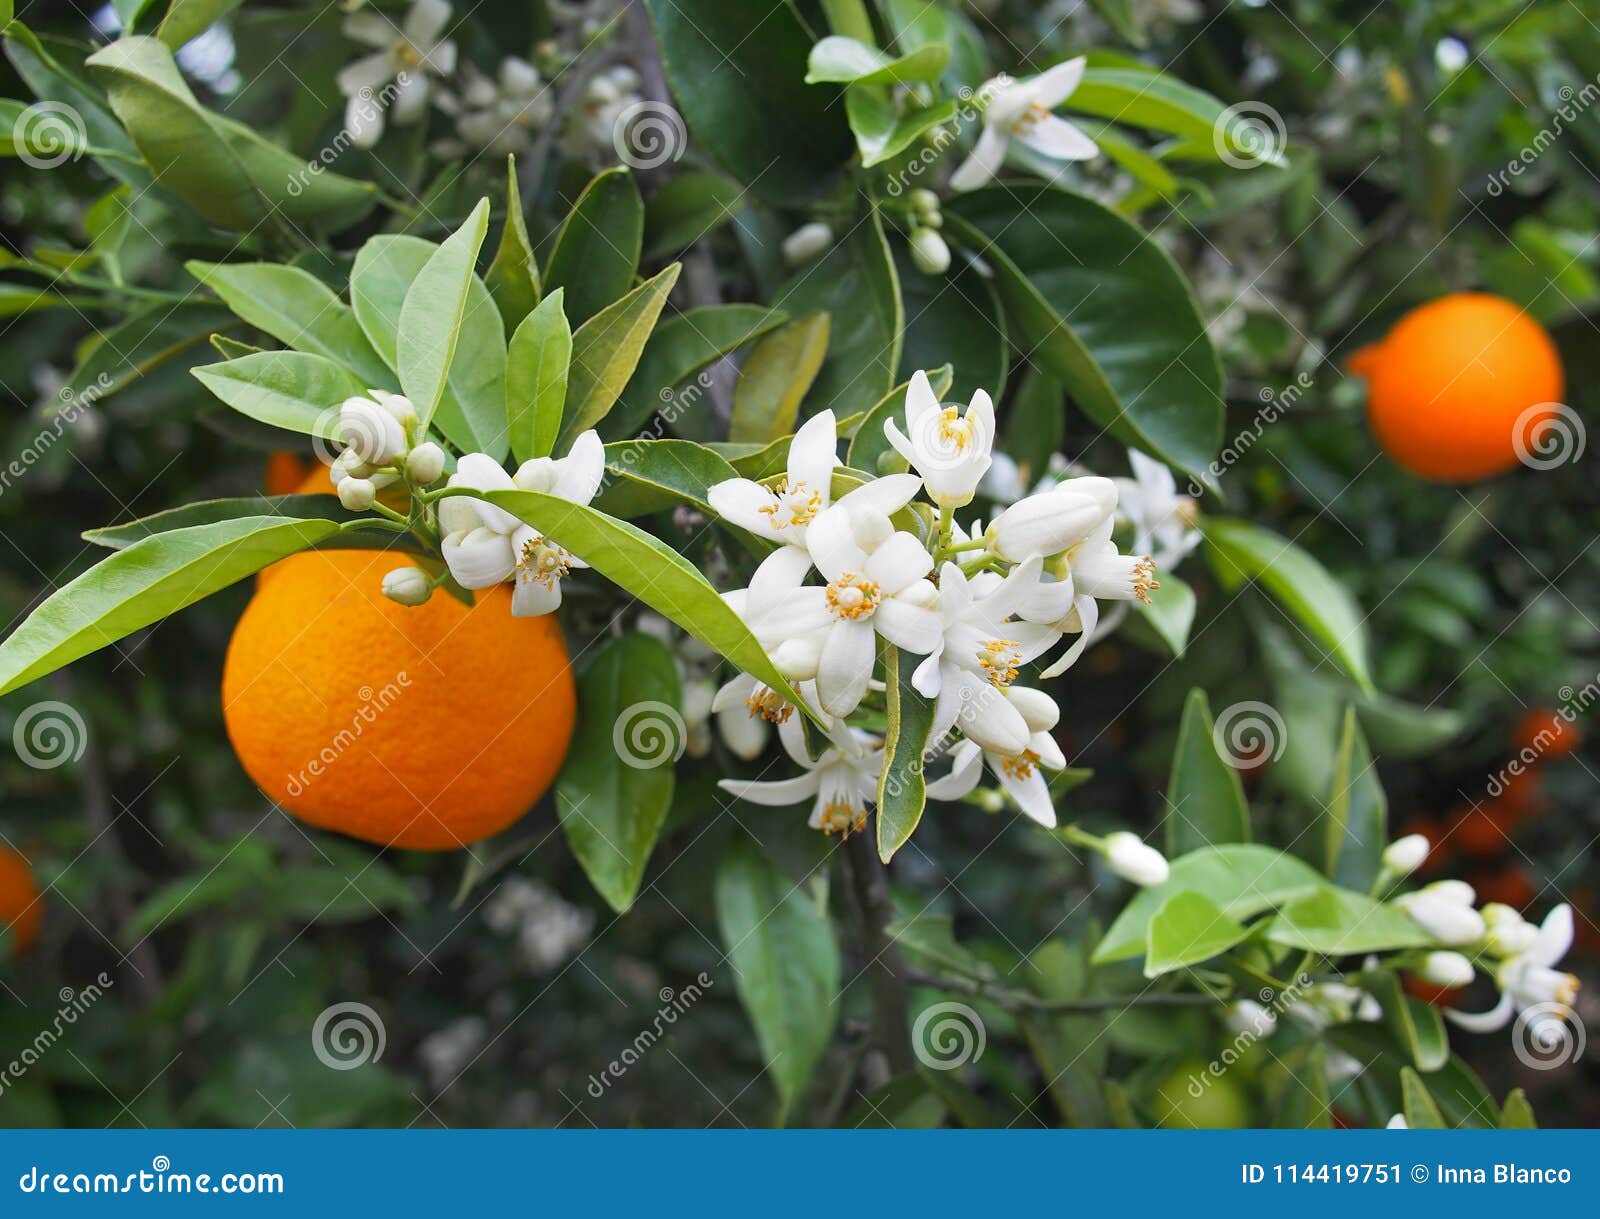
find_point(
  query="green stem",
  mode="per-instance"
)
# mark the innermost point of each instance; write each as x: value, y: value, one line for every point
x: 947, y: 521
x: 1023, y: 1000
x: 384, y: 510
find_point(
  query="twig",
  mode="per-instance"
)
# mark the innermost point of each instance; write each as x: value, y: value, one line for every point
x: 869, y: 891
x: 1019, y: 999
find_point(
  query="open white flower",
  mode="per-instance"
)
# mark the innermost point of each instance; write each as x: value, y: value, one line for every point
x: 1529, y: 981
x: 1020, y: 110
x: 406, y: 54
x: 784, y: 512
x: 1163, y: 521
x: 951, y: 451
x: 1018, y: 770
x: 1099, y: 570
x: 842, y: 781
x: 1053, y: 521
x: 484, y: 545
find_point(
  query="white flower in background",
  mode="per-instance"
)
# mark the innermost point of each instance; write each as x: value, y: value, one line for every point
x: 1335, y: 1003
x: 782, y: 513
x: 484, y: 545
x: 501, y: 115
x: 1052, y: 521
x: 950, y: 451
x: 592, y: 123
x: 841, y: 782
x: 549, y: 929
x: 1007, y: 482
x: 806, y: 242
x: 1444, y: 910
x: 1131, y: 858
x: 698, y: 694
x: 1020, y: 110
x: 1450, y: 969
x: 1163, y: 521
x: 1018, y: 770
x: 406, y: 54
x: 1246, y: 1016
x: 1405, y: 855
x: 1397, y: 1122
x: 373, y: 429
x: 1529, y: 979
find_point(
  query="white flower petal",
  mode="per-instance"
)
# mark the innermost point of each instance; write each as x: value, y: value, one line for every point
x: 739, y: 501
x: 814, y: 452
x: 1054, y: 85
x: 426, y: 21
x: 773, y: 793
x: 410, y: 101
x: 532, y: 598
x: 965, y: 771
x: 985, y: 161
x: 898, y: 563
x: 480, y: 558
x: 579, y: 473
x: 909, y: 627
x: 1555, y: 937
x: 845, y: 666
x: 920, y: 399
x: 369, y: 72
x: 887, y: 495
x: 1031, y: 793
x: 831, y: 541
x: 1497, y: 1017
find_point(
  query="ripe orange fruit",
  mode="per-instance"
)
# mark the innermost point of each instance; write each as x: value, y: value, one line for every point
x: 1546, y: 733
x: 1510, y: 885
x: 284, y: 473
x: 1446, y: 387
x: 427, y: 728
x: 21, y: 910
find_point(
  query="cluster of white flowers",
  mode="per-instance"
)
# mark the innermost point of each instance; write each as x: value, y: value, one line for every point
x: 415, y: 65
x: 974, y: 604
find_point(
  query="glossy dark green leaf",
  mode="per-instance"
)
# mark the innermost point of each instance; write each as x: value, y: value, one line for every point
x: 902, y: 784
x: 1170, y: 612
x: 596, y: 250
x: 1305, y: 1104
x: 1416, y: 1025
x: 953, y: 319
x: 1205, y: 800
x: 785, y: 964
x: 1100, y: 306
x: 141, y: 343
x: 188, y: 19
x: 537, y: 360
x: 904, y: 1103
x: 691, y: 206
x: 644, y: 476
x: 1421, y: 1111
x: 615, y: 786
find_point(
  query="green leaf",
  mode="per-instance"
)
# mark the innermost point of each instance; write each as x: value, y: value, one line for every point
x: 431, y: 315
x: 842, y: 60
x: 288, y: 389
x: 1356, y: 816
x: 882, y: 132
x: 1035, y: 423
x: 606, y: 351
x: 596, y: 251
x: 615, y: 787
x: 385, y: 268
x: 645, y: 476
x: 1305, y: 1104
x: 536, y: 378
x: 1416, y: 1025
x: 855, y: 284
x: 785, y: 965
x: 1139, y: 97
x: 737, y: 72
x: 953, y: 318
x: 1188, y: 929
x: 188, y: 19
x: 869, y: 443
x: 513, y: 276
x: 1420, y: 1110
x: 1170, y: 612
x: 223, y: 169
x: 1100, y: 307
x: 297, y: 309
x: 1300, y: 585
x: 914, y: 23
x: 142, y: 343
x: 650, y: 570
x: 1340, y: 922
x: 1517, y: 1114
x: 1241, y: 879
x: 143, y: 584
x: 1205, y: 800
x: 775, y: 378
x: 677, y: 349
x: 292, y: 507
x: 902, y: 784
x: 691, y: 206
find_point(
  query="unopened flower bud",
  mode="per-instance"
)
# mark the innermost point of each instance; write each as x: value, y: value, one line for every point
x: 1405, y: 855
x: 1439, y: 911
x: 806, y: 242
x: 1445, y: 969
x: 929, y: 251
x: 357, y: 494
x: 370, y: 431
x: 398, y: 405
x: 924, y: 203
x: 425, y: 463
x: 407, y: 585
x: 1132, y: 859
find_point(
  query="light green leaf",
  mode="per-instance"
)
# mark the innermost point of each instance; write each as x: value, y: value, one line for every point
x: 431, y: 316
x: 513, y: 276
x: 143, y: 584
x: 1304, y: 1104
x: 842, y: 60
x: 1205, y: 800
x: 785, y: 965
x: 1188, y: 929
x: 536, y: 378
x: 288, y: 389
x: 596, y: 251
x: 615, y: 786
x: 297, y: 309
x: 606, y: 350
x: 1305, y: 590
x: 188, y: 19
x: 1170, y: 612
x: 775, y: 378
x: 1140, y: 97
x: 882, y: 132
x: 1340, y: 922
x: 1422, y: 1113
x: 295, y: 507
x: 1517, y: 1113
x: 902, y: 784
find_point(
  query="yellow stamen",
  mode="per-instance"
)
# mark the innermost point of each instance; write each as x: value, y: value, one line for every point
x: 842, y: 818
x: 1144, y: 579
x: 999, y: 658
x: 1021, y: 766
x: 954, y: 430
x: 763, y: 701
x: 1030, y: 118
x: 799, y: 503
x: 541, y: 563
x: 852, y: 596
